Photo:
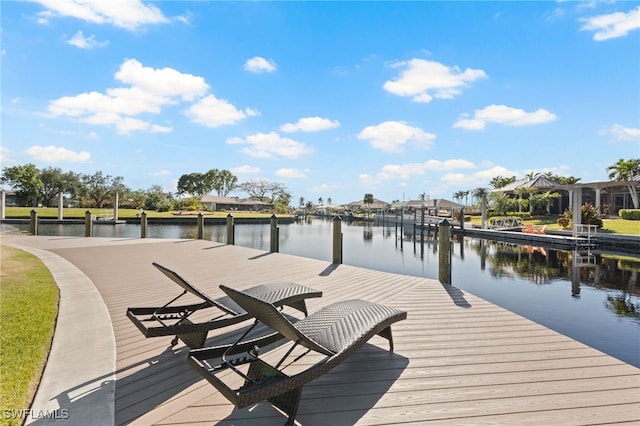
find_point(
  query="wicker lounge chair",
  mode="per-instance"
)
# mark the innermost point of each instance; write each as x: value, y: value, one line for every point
x: 175, y: 320
x: 335, y: 331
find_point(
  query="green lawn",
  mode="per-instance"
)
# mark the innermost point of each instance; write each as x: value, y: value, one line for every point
x: 28, y: 311
x: 614, y: 226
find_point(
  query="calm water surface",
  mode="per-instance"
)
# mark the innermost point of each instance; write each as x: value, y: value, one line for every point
x: 593, y: 298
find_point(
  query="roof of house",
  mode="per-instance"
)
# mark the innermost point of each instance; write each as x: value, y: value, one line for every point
x: 377, y: 204
x: 538, y: 182
x: 440, y: 203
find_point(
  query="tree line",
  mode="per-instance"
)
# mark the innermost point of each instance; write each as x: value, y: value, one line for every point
x: 34, y: 186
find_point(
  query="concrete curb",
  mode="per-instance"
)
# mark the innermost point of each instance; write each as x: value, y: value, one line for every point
x: 78, y: 383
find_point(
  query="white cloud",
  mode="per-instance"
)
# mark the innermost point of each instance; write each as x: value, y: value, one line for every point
x: 213, y: 112
x: 310, y: 124
x: 148, y: 92
x: 612, y: 25
x: 481, y: 178
x: 130, y: 15
x: 5, y: 156
x: 423, y: 80
x: 82, y: 42
x: 161, y: 173
x: 161, y: 82
x: 506, y: 115
x: 621, y: 133
x: 292, y: 173
x: 55, y: 154
x: 258, y: 64
x: 270, y: 145
x: 406, y: 171
x: 126, y: 101
x: 245, y: 170
x: 324, y: 188
x: 392, y: 136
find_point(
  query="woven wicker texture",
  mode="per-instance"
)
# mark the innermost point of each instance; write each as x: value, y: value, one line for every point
x: 339, y: 325
x: 336, y: 330
x: 171, y: 319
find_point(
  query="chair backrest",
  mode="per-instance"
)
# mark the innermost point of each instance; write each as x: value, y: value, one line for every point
x: 271, y: 316
x: 175, y: 277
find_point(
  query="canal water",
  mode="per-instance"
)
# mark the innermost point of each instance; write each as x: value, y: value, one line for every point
x: 591, y: 297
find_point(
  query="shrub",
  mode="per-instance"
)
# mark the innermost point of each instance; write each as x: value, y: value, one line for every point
x: 629, y: 214
x: 564, y: 221
x: 590, y: 216
x: 521, y: 215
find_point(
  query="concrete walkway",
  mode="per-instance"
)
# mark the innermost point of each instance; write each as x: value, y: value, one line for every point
x: 81, y: 363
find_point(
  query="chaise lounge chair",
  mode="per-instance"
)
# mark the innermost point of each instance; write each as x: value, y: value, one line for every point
x: 174, y: 320
x: 335, y: 331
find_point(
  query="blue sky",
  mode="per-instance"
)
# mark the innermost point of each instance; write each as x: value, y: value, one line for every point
x: 333, y: 100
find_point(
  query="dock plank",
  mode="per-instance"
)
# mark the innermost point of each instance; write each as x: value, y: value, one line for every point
x: 458, y: 359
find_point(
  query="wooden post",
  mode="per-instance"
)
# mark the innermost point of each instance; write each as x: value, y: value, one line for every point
x: 274, y: 246
x: 577, y: 210
x: 230, y: 229
x: 462, y: 220
x: 444, y: 247
x: 200, y: 226
x: 33, y: 223
x: 337, y: 240
x: 143, y: 224
x: 483, y: 211
x: 115, y: 207
x: 60, y: 205
x: 88, y: 224
x: 3, y: 203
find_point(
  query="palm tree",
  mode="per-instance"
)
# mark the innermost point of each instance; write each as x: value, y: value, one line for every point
x: 499, y: 181
x: 320, y: 201
x: 368, y: 199
x: 625, y: 171
x: 521, y: 192
x: 465, y: 194
x: 329, y: 200
x: 481, y: 193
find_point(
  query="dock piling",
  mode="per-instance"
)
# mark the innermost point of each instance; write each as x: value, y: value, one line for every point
x: 274, y: 246
x: 230, y: 229
x: 33, y: 223
x: 444, y: 255
x: 337, y: 240
x: 143, y: 224
x: 200, y: 226
x: 88, y: 224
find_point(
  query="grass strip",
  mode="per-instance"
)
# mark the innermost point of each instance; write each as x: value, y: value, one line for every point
x: 28, y: 310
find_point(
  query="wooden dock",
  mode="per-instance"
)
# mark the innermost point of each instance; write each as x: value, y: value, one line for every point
x: 458, y: 359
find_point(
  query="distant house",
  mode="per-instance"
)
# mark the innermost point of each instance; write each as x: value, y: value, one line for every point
x: 609, y: 196
x: 433, y: 207
x: 360, y: 205
x: 233, y: 203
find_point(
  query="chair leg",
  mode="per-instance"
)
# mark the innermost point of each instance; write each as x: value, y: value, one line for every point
x: 286, y: 402
x: 386, y: 333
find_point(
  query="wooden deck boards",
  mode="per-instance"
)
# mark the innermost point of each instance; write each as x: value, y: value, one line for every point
x: 458, y: 359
